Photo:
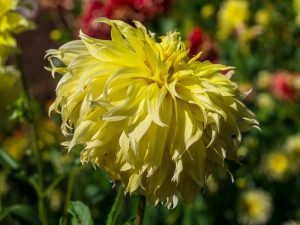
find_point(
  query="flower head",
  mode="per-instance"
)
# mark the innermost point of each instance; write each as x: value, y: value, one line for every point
x: 126, y: 10
x: 93, y: 9
x: 232, y: 15
x: 207, y: 10
x: 16, y: 145
x: 198, y: 41
x: 293, y: 147
x: 263, y: 80
x: 11, y: 22
x: 145, y: 113
x: 254, y: 207
x: 263, y: 17
x: 282, y: 86
x: 265, y: 101
x: 276, y: 165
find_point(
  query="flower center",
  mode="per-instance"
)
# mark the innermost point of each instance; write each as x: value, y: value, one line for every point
x: 279, y: 163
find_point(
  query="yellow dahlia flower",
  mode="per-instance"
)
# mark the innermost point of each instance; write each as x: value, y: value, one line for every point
x: 145, y: 113
x: 254, y: 207
x: 11, y: 22
x: 232, y: 15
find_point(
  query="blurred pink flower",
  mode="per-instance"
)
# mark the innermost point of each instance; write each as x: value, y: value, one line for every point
x: 92, y: 10
x: 126, y: 10
x: 198, y: 41
x: 282, y: 85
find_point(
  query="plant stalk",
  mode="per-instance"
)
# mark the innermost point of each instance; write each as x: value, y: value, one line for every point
x: 34, y: 137
x: 70, y: 188
x: 116, y: 208
x: 141, y: 211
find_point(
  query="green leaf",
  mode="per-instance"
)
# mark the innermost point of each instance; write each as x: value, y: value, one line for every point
x: 25, y: 212
x: 130, y: 221
x: 80, y: 213
x: 8, y: 161
x: 3, y: 213
x: 61, y: 221
x: 22, y: 211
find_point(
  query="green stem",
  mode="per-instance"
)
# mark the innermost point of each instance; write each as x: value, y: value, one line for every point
x: 115, y: 209
x: 34, y: 137
x: 141, y: 211
x: 23, y: 79
x: 70, y: 187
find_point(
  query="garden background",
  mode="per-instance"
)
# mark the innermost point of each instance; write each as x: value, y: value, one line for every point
x: 41, y: 183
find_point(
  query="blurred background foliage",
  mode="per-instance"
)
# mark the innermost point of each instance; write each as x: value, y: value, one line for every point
x: 41, y: 183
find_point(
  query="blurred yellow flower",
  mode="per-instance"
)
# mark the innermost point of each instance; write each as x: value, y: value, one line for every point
x: 16, y: 145
x: 55, y: 200
x: 251, y: 142
x: 297, y: 10
x: 265, y: 101
x: 233, y: 14
x: 55, y: 35
x: 246, y: 34
x: 207, y: 10
x: 263, y: 80
x: 297, y: 5
x: 7, y: 5
x: 263, y: 17
x: 146, y: 113
x: 254, y: 207
x: 11, y: 22
x: 276, y: 165
x: 293, y: 147
x: 297, y: 20
x: 47, y: 133
x: 241, y: 182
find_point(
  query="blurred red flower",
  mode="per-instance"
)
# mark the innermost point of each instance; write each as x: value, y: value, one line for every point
x: 198, y: 41
x: 282, y: 85
x: 92, y: 10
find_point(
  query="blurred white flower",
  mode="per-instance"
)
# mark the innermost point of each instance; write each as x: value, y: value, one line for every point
x: 254, y: 207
